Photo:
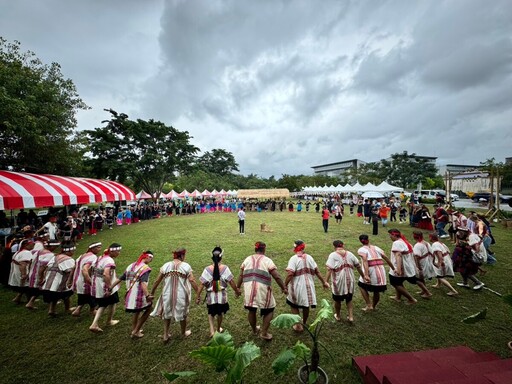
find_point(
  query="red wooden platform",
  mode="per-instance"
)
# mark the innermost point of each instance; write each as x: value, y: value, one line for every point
x: 455, y: 365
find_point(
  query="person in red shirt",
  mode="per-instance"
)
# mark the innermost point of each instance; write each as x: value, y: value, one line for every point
x: 325, y: 218
x: 383, y: 213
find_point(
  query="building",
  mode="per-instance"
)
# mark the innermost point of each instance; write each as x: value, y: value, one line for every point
x: 457, y: 168
x: 337, y: 169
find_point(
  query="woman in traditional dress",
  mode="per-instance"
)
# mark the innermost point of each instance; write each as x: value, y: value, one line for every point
x: 374, y: 275
x: 138, y: 299
x: 215, y: 278
x: 340, y: 266
x: 300, y: 282
x: 59, y: 278
x: 442, y: 264
x: 20, y: 267
x: 425, y: 219
x: 36, y: 274
x: 174, y: 301
x: 103, y: 289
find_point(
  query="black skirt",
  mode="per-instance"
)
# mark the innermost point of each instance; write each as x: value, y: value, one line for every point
x: 53, y: 297
x: 108, y: 300
x: 217, y: 309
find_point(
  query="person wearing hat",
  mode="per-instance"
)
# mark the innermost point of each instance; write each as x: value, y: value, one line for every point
x: 20, y: 266
x: 216, y: 278
x: 256, y: 273
x: 340, y: 266
x: 36, y: 275
x: 174, y: 301
x: 82, y: 279
x: 59, y: 278
x: 138, y: 300
x: 102, y: 287
x: 300, y: 282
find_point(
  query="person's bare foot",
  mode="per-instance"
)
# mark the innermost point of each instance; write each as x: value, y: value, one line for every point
x: 75, y: 313
x: 256, y: 331
x: 436, y: 286
x: 95, y: 329
x: 367, y: 309
x: 452, y: 293
x: 395, y: 299
x: 187, y: 333
x: 31, y: 307
x: 113, y: 322
x: 411, y: 302
x: 137, y: 335
x: 298, y: 327
x: 267, y: 336
x: 350, y: 320
x: 426, y: 295
x: 337, y: 317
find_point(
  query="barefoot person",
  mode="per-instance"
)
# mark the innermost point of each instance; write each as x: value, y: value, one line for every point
x: 138, y: 301
x: 215, y: 278
x: 20, y: 267
x: 300, y: 282
x: 340, y: 266
x: 82, y: 279
x: 424, y: 263
x: 174, y: 301
x: 36, y: 274
x: 404, y: 269
x: 442, y: 264
x: 256, y: 273
x: 59, y: 278
x: 105, y: 293
x: 374, y: 274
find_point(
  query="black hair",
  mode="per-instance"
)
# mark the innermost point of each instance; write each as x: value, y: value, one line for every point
x: 216, y: 257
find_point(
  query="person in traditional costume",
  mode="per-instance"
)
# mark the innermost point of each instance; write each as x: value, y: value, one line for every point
x: 59, y: 279
x: 20, y: 267
x: 443, y: 265
x: 404, y: 269
x: 174, y: 301
x: 340, y: 267
x: 256, y: 273
x: 467, y: 258
x: 103, y: 288
x: 373, y: 278
x: 138, y: 300
x: 424, y: 263
x: 215, y: 279
x: 82, y: 279
x: 300, y: 282
x: 36, y: 274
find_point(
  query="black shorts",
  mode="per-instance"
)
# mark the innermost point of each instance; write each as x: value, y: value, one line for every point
x: 298, y: 306
x: 33, y: 292
x: 109, y: 300
x: 396, y: 281
x: 53, y: 297
x: 137, y: 310
x: 217, y: 309
x: 84, y: 299
x: 372, y: 288
x: 340, y: 298
x: 263, y: 311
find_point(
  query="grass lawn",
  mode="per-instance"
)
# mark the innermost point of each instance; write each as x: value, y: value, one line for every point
x: 38, y: 349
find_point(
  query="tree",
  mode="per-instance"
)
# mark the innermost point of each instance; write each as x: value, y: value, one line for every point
x: 218, y: 161
x: 407, y: 170
x: 37, y: 115
x: 147, y: 152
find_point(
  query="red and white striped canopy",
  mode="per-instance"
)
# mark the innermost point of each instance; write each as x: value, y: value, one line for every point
x: 29, y: 190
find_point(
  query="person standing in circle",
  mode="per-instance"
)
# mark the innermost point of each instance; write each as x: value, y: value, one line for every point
x: 241, y: 220
x: 325, y: 218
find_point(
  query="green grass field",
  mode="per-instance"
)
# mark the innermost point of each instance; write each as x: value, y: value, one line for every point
x: 38, y: 349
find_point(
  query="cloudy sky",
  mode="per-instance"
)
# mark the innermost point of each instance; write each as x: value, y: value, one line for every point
x: 286, y: 85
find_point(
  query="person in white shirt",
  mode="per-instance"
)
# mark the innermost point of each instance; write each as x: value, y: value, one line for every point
x: 241, y: 220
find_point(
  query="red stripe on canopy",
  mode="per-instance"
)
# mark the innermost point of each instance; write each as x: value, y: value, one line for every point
x: 29, y: 190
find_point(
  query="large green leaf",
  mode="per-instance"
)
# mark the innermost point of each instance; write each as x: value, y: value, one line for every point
x: 171, y: 376
x: 313, y: 377
x: 476, y: 317
x: 221, y: 339
x: 324, y: 313
x: 219, y: 356
x: 284, y: 361
x: 243, y: 358
x: 286, y: 320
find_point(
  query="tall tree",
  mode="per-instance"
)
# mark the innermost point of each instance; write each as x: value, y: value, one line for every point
x: 37, y: 115
x: 147, y: 152
x: 218, y: 161
x: 407, y: 170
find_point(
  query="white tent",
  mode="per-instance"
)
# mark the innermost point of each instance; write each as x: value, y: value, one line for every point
x: 386, y: 187
x: 368, y: 187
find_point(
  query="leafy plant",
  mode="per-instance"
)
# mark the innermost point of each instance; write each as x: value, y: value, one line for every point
x: 286, y: 358
x: 221, y: 353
